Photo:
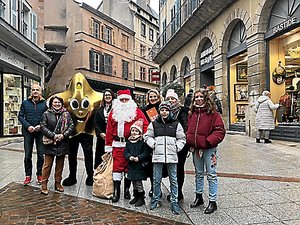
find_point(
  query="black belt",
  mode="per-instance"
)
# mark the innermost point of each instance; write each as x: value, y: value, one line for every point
x: 120, y: 139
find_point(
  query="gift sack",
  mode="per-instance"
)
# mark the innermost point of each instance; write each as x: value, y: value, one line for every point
x: 103, y: 182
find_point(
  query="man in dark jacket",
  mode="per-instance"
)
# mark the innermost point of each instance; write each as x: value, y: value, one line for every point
x: 30, y: 116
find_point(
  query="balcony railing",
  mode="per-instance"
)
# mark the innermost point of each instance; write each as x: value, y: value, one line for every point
x: 186, y: 10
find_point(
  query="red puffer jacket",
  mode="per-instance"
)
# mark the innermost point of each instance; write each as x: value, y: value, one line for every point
x: 205, y: 130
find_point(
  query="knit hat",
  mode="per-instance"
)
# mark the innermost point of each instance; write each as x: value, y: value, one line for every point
x: 124, y: 94
x: 165, y: 105
x: 138, y: 125
x: 171, y: 93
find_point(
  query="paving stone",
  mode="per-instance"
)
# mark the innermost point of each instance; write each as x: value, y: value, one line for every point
x: 20, y: 204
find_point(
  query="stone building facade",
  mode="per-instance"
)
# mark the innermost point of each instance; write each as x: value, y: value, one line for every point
x: 240, y: 47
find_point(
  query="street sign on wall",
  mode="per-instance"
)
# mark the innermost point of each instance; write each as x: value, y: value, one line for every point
x: 155, y: 75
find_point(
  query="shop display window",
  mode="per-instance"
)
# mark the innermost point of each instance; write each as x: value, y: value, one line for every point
x: 12, y: 99
x: 238, y: 88
x: 285, y: 76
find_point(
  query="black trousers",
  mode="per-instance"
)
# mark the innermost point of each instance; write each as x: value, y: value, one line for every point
x: 99, y: 151
x: 86, y: 141
x: 180, y: 166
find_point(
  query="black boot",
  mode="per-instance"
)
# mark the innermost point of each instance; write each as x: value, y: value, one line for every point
x: 212, y: 206
x: 268, y: 141
x: 117, y: 187
x: 89, y: 181
x: 126, y: 188
x: 198, y: 201
x: 69, y: 181
x: 141, y: 199
x: 135, y: 199
x: 257, y: 140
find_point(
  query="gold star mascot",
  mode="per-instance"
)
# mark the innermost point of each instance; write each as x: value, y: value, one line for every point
x: 82, y: 102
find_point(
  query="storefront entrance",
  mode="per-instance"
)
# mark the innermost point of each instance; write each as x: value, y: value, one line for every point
x: 283, y: 40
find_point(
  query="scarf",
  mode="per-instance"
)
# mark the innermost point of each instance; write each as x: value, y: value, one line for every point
x: 63, y: 119
x: 175, y: 109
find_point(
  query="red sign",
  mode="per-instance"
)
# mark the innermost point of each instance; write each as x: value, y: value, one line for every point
x: 155, y: 75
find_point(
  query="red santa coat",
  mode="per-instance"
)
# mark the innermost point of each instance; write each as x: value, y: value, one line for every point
x: 115, y: 131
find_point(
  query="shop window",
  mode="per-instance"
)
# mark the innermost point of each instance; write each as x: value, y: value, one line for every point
x: 284, y: 64
x: 238, y: 88
x: 12, y: 100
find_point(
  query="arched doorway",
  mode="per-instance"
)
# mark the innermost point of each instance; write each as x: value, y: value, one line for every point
x: 173, y: 73
x: 238, y: 77
x: 283, y: 76
x: 186, y: 66
x: 207, y: 75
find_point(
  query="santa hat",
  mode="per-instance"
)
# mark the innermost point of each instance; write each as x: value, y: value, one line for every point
x: 124, y: 94
x: 171, y: 93
x: 138, y: 125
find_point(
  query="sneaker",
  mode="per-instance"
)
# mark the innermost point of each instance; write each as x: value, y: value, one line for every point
x: 39, y: 180
x: 27, y: 180
x: 154, y: 205
x: 175, y: 208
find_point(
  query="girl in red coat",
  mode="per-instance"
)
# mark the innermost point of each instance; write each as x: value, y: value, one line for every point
x: 205, y: 131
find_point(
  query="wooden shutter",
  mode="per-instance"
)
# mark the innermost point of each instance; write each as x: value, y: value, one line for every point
x: 91, y: 53
x: 113, y: 37
x: 91, y: 26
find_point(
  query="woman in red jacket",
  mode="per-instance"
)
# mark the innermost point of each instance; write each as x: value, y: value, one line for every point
x: 205, y: 131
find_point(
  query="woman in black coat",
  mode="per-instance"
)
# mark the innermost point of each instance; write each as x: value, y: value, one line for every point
x: 56, y: 125
x: 100, y: 121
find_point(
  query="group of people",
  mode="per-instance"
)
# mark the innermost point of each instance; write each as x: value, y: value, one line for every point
x: 151, y: 142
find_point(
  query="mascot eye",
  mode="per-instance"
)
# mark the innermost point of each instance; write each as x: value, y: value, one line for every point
x: 74, y: 104
x: 85, y: 103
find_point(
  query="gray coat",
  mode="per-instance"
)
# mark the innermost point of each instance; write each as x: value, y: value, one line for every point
x: 165, y: 148
x: 264, y: 113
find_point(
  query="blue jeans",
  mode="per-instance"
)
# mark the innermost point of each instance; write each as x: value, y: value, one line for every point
x: 208, y: 160
x: 157, y: 175
x: 29, y: 139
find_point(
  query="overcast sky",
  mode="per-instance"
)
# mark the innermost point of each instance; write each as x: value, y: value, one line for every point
x: 95, y: 3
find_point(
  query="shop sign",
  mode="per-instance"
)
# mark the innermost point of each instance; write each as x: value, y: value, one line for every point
x: 206, y: 56
x: 284, y: 25
x: 12, y: 58
x: 155, y: 75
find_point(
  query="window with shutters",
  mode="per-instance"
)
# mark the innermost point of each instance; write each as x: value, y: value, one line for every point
x: 143, y: 29
x: 125, y: 65
x: 151, y: 34
x: 26, y: 20
x: 108, y: 35
x: 96, y: 61
x: 142, y: 73
x: 125, y: 40
x: 142, y: 51
x: 33, y: 27
x: 108, y: 64
x: 14, y: 14
x: 95, y: 28
x: 2, y: 9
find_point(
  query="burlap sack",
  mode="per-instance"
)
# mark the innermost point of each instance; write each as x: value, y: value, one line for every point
x: 103, y: 182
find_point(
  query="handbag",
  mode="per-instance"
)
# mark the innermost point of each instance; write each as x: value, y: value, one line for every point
x: 103, y: 186
x: 49, y: 141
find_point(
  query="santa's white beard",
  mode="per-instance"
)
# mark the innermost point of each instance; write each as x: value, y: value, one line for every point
x: 125, y: 112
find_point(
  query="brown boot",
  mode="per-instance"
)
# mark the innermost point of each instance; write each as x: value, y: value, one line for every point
x: 44, y: 189
x: 59, y: 187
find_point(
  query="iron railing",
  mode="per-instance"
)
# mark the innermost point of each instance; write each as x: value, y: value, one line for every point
x: 186, y: 10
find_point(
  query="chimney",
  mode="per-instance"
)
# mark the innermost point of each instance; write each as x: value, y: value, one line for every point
x: 107, y: 7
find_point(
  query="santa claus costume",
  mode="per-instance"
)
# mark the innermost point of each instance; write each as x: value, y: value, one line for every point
x: 123, y: 115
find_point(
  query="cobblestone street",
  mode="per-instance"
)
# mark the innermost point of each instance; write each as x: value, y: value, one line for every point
x: 258, y: 184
